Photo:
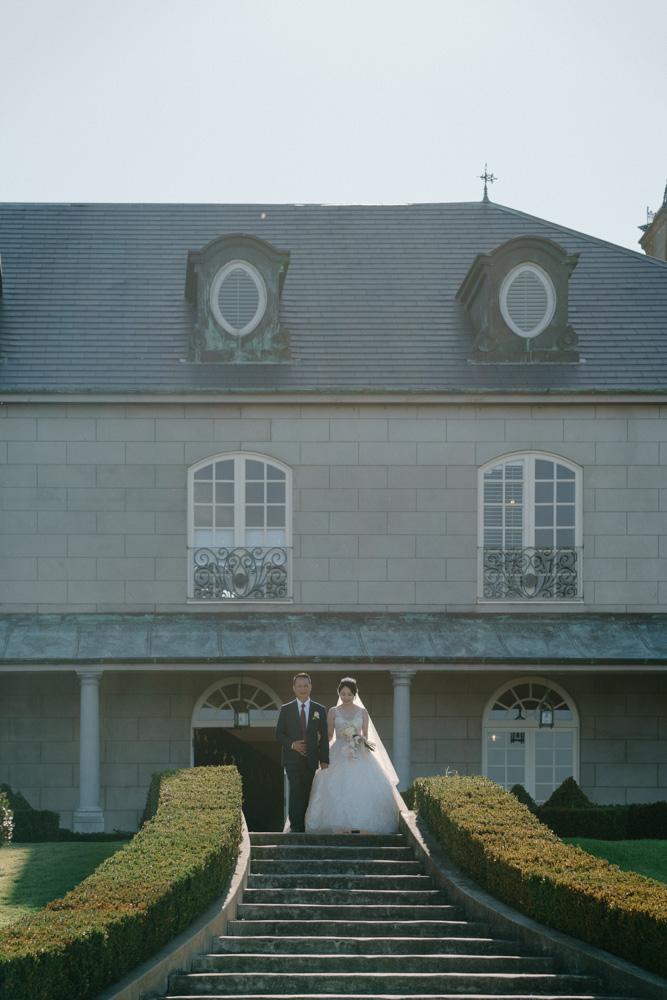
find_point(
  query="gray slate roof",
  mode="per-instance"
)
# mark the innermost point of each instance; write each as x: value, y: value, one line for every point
x: 93, y: 299
x: 563, y: 641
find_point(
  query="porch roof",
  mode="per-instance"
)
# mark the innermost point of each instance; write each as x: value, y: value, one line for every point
x: 570, y: 641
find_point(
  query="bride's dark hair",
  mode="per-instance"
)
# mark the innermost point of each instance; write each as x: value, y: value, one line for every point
x: 348, y: 682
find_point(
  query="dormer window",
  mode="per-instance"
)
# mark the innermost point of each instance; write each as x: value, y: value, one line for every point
x: 517, y: 297
x: 527, y: 300
x: 235, y: 284
x: 238, y: 297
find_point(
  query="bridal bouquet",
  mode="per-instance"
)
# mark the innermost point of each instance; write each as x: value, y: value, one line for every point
x: 352, y: 738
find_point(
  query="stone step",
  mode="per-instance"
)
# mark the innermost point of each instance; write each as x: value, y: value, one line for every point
x: 332, y: 853
x: 400, y: 883
x: 307, y: 912
x: 375, y: 929
x: 403, y: 996
x: 350, y: 839
x: 346, y: 897
x: 361, y: 928
x: 335, y: 870
x: 361, y: 964
x: 323, y: 945
x: 373, y: 984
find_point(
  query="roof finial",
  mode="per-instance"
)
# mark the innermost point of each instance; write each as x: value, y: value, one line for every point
x: 487, y: 178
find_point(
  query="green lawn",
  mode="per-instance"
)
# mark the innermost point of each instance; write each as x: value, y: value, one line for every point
x: 648, y: 857
x: 34, y: 874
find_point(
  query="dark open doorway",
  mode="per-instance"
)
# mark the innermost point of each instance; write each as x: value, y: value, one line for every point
x: 260, y: 771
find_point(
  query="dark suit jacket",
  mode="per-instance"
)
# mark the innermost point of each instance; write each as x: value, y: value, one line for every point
x: 288, y: 730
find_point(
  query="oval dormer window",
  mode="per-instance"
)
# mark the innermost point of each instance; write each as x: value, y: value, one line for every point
x: 527, y: 300
x: 238, y: 297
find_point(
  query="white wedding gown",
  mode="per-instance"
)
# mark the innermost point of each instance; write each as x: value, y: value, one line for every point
x: 353, y: 793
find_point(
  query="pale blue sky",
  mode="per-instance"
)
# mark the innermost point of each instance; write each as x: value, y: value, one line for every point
x: 339, y: 100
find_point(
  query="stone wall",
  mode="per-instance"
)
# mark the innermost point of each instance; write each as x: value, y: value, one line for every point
x: 145, y: 721
x: 93, y: 500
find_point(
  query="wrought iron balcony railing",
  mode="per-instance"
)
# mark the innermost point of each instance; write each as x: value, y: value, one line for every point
x: 530, y: 574
x: 239, y: 574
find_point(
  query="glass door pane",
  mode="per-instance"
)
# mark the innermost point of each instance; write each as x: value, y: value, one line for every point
x: 506, y: 757
x: 554, y: 760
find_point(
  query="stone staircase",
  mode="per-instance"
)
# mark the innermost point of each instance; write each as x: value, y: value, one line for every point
x: 352, y: 916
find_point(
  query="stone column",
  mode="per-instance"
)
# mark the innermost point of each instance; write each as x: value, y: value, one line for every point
x: 89, y: 817
x: 402, y: 678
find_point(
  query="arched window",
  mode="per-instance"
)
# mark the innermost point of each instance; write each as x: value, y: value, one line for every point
x: 518, y: 749
x: 530, y: 529
x: 221, y: 701
x: 239, y: 529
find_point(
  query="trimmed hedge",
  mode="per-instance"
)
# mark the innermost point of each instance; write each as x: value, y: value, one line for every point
x: 596, y: 823
x: 6, y: 820
x: 502, y: 846
x: 568, y: 795
x: 31, y: 826
x: 524, y: 797
x: 647, y: 821
x: 35, y: 826
x: 138, y: 899
x: 66, y: 836
x: 569, y: 813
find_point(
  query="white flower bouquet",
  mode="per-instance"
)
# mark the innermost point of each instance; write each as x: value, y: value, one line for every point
x: 354, y: 738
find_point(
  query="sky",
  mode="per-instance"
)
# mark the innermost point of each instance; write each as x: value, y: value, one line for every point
x: 378, y: 101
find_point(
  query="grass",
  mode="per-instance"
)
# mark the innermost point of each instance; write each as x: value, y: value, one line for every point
x: 647, y: 857
x: 34, y: 874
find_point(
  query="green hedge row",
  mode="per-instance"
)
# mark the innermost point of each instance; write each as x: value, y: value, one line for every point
x: 570, y: 813
x: 35, y: 826
x: 503, y: 846
x: 30, y: 825
x: 631, y: 822
x: 66, y: 836
x: 138, y: 899
x: 6, y: 820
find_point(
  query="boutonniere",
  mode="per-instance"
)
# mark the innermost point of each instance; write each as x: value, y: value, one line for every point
x: 316, y: 715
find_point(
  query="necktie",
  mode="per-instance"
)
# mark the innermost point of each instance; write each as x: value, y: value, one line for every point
x: 303, y: 722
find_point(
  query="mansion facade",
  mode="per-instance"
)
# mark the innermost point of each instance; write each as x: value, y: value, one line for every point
x: 424, y: 445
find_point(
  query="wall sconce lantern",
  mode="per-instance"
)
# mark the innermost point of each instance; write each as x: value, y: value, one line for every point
x: 546, y: 715
x: 241, y: 715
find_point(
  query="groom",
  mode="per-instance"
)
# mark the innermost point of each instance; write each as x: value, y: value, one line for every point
x: 303, y: 731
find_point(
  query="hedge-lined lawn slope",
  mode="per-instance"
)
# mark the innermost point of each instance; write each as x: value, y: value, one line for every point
x: 502, y: 846
x: 138, y: 899
x: 648, y: 857
x: 32, y: 875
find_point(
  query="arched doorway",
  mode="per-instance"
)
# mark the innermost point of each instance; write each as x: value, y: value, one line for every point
x: 516, y: 750
x: 217, y: 739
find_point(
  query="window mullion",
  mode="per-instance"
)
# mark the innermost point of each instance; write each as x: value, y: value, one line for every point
x: 288, y: 510
x: 529, y: 507
x: 239, y: 501
x: 191, y: 509
x: 530, y: 762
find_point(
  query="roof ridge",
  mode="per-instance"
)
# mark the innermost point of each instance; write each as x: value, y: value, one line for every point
x: 576, y: 232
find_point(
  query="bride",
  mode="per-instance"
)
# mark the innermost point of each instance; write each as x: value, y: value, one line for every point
x: 357, y: 792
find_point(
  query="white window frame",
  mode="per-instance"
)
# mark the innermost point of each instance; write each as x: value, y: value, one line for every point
x: 239, y: 458
x: 546, y: 283
x: 258, y: 280
x: 529, y: 458
x: 531, y: 726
